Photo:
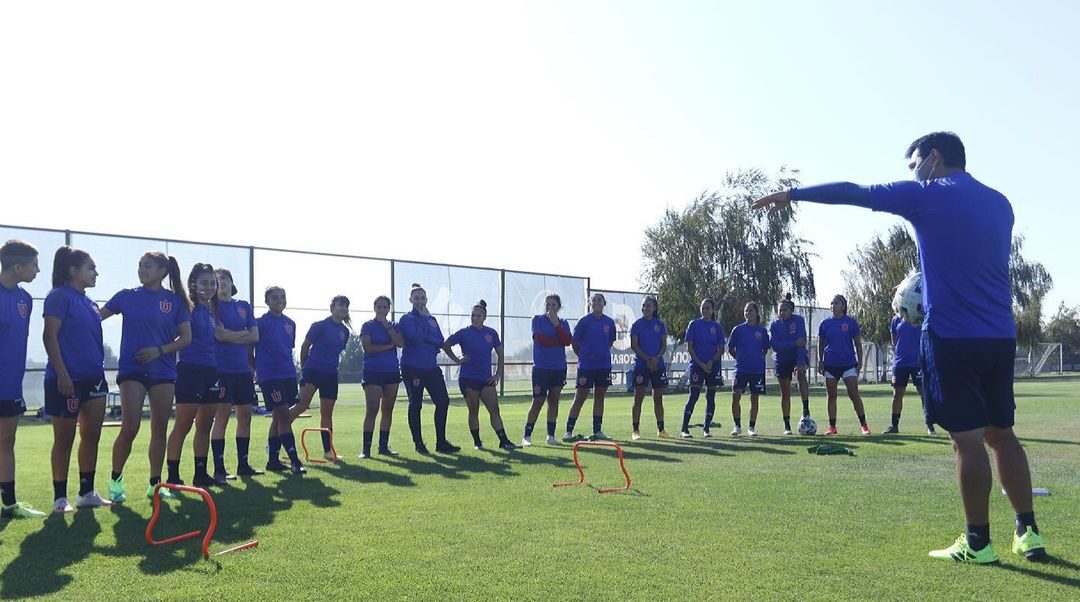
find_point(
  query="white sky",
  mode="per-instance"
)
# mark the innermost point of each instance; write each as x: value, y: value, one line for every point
x: 540, y: 136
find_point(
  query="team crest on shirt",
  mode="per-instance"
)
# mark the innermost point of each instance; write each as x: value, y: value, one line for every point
x: 73, y: 404
x: 434, y: 324
x: 165, y: 306
x: 24, y: 310
x: 241, y: 311
x: 288, y: 328
x: 656, y: 328
x: 712, y: 330
x: 607, y: 329
x: 276, y: 396
x: 844, y: 327
x: 487, y: 337
x: 791, y: 328
x: 757, y: 335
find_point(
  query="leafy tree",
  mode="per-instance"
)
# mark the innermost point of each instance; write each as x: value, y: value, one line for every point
x: 351, y: 369
x: 876, y: 268
x: 1064, y: 328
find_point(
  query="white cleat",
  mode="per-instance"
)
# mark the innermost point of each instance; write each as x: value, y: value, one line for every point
x: 92, y: 500
x: 787, y: 431
x: 61, y: 506
x: 735, y: 432
x: 686, y: 435
x: 635, y: 436
x: 526, y: 442
x: 706, y: 434
x: 750, y: 431
x: 552, y: 440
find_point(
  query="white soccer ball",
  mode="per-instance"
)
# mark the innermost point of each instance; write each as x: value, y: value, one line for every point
x: 807, y: 426
x: 907, y: 301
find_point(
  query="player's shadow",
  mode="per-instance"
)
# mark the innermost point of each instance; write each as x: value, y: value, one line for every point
x: 366, y: 472
x: 710, y: 447
x: 630, y: 452
x: 456, y: 467
x: 310, y: 487
x: 43, y: 555
x: 1050, y: 441
x: 1050, y: 561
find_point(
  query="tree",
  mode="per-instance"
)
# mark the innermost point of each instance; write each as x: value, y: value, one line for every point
x: 876, y: 268
x: 1030, y: 283
x: 1064, y: 328
x: 351, y: 369
x: 716, y: 248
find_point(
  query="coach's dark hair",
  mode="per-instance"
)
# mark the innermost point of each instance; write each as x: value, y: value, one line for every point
x: 65, y: 259
x: 226, y: 273
x: 16, y: 252
x: 946, y: 143
x: 655, y: 305
x: 341, y: 299
x: 172, y: 270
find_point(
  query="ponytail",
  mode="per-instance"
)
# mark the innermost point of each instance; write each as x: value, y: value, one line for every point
x: 342, y: 300
x: 176, y: 281
x: 65, y: 259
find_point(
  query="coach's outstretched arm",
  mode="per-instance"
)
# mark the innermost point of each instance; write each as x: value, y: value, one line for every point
x: 836, y: 193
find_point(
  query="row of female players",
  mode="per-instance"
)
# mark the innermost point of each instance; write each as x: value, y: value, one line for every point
x: 219, y: 342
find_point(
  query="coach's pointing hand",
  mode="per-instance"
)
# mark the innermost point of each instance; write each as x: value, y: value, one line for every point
x: 774, y: 202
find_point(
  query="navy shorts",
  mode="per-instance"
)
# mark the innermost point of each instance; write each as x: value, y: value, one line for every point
x: 745, y: 380
x: 278, y: 393
x: 786, y: 370
x: 196, y: 383
x: 901, y: 376
x: 544, y: 380
x: 968, y: 383
x: 657, y: 380
x: 236, y: 388
x: 12, y: 407
x: 381, y: 379
x: 60, y: 406
x: 712, y: 379
x: 587, y: 379
x: 148, y: 382
x: 472, y: 384
x: 325, y: 382
x: 838, y: 372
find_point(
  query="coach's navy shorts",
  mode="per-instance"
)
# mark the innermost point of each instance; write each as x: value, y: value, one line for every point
x: 968, y: 383
x: 711, y: 379
x: 901, y: 376
x: 587, y: 379
x: 544, y: 380
x: 325, y: 382
x: 754, y: 382
x: 236, y: 388
x: 657, y: 380
x: 61, y: 406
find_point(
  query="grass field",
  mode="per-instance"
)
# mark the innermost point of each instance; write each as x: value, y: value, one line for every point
x: 705, y: 519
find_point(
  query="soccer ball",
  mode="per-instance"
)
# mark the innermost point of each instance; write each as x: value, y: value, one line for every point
x: 907, y: 301
x: 807, y: 426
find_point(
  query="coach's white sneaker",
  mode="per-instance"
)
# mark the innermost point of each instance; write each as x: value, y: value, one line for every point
x: 526, y: 441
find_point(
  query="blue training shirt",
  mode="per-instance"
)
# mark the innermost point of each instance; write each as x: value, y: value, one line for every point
x: 749, y: 342
x: 964, y: 232
x: 236, y: 316
x: 783, y: 334
x: 274, y: 351
x: 549, y: 357
x: 150, y: 319
x: 477, y: 344
x: 423, y: 340
x: 707, y: 337
x: 594, y: 337
x: 15, y: 307
x: 908, y: 338
x: 837, y: 336
x: 201, y: 350
x: 328, y: 339
x: 382, y: 361
x: 651, y: 336
x: 81, y: 343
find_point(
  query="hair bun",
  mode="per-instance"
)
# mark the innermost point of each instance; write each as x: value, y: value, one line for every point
x: 787, y: 297
x: 416, y: 285
x: 482, y: 303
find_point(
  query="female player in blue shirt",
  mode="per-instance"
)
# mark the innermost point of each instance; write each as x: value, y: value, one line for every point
x: 594, y: 335
x: 748, y: 344
x: 420, y: 370
x: 551, y: 336
x: 157, y: 324
x: 381, y: 339
x: 840, y: 357
x: 236, y: 387
x: 75, y: 387
x: 196, y: 379
x: 706, y: 344
x: 648, y: 340
x: 272, y: 357
x: 475, y: 379
x: 906, y: 339
x: 18, y: 264
x: 787, y: 335
x: 320, y: 356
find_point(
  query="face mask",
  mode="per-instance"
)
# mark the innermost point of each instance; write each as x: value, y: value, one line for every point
x: 918, y: 175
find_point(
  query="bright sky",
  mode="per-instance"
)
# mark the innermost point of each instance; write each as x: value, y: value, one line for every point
x: 529, y: 135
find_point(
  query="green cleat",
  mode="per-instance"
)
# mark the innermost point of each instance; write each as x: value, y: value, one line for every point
x: 1031, y: 545
x: 116, y: 490
x: 165, y: 494
x: 20, y: 510
x: 962, y: 552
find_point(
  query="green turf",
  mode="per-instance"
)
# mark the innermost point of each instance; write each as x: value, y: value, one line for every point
x: 706, y: 519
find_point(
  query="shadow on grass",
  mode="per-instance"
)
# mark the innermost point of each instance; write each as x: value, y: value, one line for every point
x: 44, y: 554
x: 364, y: 471
x: 710, y: 447
x: 1073, y: 582
x: 1050, y: 441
